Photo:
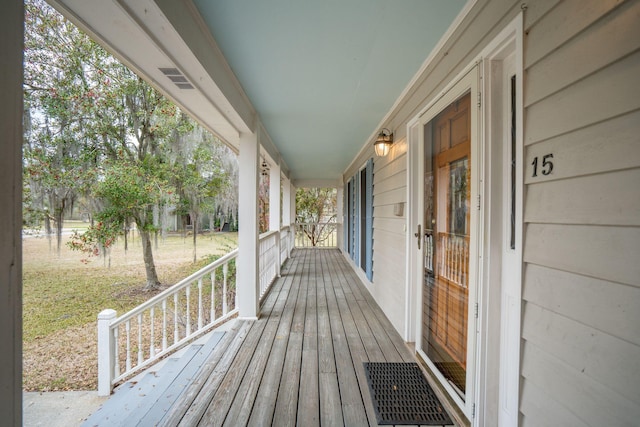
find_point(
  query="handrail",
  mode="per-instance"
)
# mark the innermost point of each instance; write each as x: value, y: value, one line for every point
x: 316, y: 234
x: 187, y: 309
x: 178, y: 286
x: 269, y: 245
x: 189, y: 315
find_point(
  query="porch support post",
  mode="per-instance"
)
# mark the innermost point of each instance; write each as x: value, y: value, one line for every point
x: 274, y: 197
x: 339, y: 214
x: 11, y: 43
x: 286, y: 202
x: 286, y: 213
x: 292, y: 213
x: 247, y: 271
x: 106, y: 352
x: 274, y: 209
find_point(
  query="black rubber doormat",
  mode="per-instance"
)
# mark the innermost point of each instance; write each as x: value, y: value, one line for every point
x: 401, y: 395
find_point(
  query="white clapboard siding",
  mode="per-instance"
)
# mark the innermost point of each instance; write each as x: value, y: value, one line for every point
x: 565, y: 21
x: 611, y: 199
x: 601, y: 44
x: 394, y: 182
x: 606, y: 306
x: 581, y: 290
x: 610, y: 361
x: 393, y: 225
x: 602, y: 147
x: 588, y: 399
x: 387, y: 211
x: 540, y: 409
x: 389, y: 273
x: 384, y: 169
x: 536, y: 10
x: 389, y: 253
x: 609, y: 253
x: 389, y: 197
x: 583, y: 103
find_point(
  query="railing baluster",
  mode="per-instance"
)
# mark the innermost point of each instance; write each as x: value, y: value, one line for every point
x: 164, y: 324
x: 200, y: 308
x: 213, y: 296
x: 225, y: 273
x: 176, y: 333
x: 443, y: 255
x: 188, y: 313
x: 139, y: 338
x: 454, y: 264
x: 116, y: 336
x: 152, y: 347
x: 162, y: 301
x: 128, y: 329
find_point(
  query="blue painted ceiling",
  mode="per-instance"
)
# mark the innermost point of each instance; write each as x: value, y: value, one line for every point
x: 322, y: 74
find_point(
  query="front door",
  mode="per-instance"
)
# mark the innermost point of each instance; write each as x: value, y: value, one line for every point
x: 447, y: 231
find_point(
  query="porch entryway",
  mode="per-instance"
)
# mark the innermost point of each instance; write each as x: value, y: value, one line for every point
x: 300, y: 363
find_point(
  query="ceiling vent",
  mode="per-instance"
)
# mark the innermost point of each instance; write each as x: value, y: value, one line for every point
x: 176, y: 77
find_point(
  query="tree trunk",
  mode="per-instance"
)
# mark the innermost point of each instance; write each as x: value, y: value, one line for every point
x: 59, y: 219
x: 47, y: 228
x: 194, y: 221
x: 152, y: 277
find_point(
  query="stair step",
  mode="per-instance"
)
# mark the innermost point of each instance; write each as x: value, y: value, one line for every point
x: 131, y: 401
x: 157, y: 406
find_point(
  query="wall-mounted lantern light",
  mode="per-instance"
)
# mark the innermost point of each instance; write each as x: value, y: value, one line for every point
x: 383, y: 142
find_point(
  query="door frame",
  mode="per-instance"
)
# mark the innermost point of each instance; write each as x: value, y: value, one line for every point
x: 466, y: 82
x: 501, y: 299
x: 493, y: 393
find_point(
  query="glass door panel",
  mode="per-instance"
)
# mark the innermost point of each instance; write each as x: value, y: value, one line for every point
x: 446, y: 266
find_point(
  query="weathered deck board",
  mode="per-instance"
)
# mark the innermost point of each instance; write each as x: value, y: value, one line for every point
x: 287, y: 399
x: 353, y: 409
x: 301, y: 362
x: 227, y: 393
x: 265, y: 403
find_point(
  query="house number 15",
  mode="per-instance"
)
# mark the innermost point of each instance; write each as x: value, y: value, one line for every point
x: 546, y: 167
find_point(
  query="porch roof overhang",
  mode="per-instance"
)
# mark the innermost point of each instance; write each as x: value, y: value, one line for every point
x: 314, y: 80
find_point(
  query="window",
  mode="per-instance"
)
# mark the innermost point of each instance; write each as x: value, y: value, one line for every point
x: 359, y: 218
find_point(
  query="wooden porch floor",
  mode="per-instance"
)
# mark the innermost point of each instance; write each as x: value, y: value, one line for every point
x: 301, y: 362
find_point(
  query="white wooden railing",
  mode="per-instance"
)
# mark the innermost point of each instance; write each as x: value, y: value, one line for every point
x: 269, y: 260
x: 180, y: 314
x: 164, y: 323
x: 453, y: 258
x: 325, y: 234
x: 428, y: 250
x: 287, y: 241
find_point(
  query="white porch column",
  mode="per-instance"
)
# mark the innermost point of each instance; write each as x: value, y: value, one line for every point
x: 286, y: 202
x: 292, y: 203
x: 11, y: 42
x: 286, y: 214
x: 292, y: 213
x: 247, y: 281
x: 106, y: 351
x: 274, y: 210
x: 274, y: 198
x: 340, y: 214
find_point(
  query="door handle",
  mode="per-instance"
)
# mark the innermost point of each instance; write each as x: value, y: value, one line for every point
x: 419, y: 235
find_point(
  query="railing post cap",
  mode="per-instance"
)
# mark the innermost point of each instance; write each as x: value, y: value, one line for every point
x: 107, y: 314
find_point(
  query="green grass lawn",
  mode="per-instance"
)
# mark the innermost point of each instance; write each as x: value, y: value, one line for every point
x: 62, y: 292
x: 62, y: 296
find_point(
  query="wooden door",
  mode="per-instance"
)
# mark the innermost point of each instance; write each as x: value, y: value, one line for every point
x: 447, y: 240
